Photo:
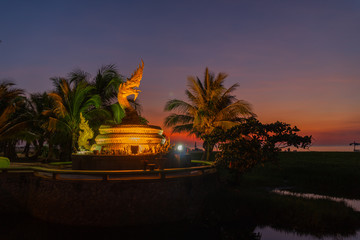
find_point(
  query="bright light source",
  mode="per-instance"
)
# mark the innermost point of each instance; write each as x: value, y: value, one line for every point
x: 180, y: 147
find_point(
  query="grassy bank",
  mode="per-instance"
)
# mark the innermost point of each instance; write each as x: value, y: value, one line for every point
x: 252, y: 203
x: 329, y: 173
x: 234, y: 212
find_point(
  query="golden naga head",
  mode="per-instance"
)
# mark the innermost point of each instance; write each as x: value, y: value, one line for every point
x: 128, y: 88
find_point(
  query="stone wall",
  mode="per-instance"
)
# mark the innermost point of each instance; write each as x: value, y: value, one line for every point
x: 131, y: 162
x: 109, y: 203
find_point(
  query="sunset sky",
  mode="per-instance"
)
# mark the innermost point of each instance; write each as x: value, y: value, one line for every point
x: 295, y: 61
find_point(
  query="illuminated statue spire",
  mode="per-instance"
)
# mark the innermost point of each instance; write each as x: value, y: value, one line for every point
x: 128, y: 88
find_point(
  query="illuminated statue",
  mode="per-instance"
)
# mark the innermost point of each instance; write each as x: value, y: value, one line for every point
x: 128, y: 88
x: 131, y: 137
x: 85, y: 134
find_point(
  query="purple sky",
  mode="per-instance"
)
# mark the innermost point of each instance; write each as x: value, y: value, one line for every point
x: 296, y: 61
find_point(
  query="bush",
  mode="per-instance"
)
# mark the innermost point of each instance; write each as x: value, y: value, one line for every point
x: 251, y: 142
x: 4, y: 162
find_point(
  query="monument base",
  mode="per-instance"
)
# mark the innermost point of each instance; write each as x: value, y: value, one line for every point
x: 130, y: 162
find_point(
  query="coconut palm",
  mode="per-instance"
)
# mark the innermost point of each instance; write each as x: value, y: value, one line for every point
x: 12, y: 120
x: 10, y: 101
x: 38, y: 132
x: 210, y: 105
x: 106, y: 83
x: 71, y: 99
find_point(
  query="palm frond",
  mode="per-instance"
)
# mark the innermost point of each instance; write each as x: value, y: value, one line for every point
x: 58, y: 125
x: 107, y: 83
x: 225, y: 125
x: 98, y: 116
x: 191, y: 97
x: 11, y: 130
x: 219, y: 81
x: 59, y: 107
x: 77, y: 76
x: 234, y: 110
x: 179, y: 105
x: 197, y: 89
x: 183, y: 128
x: 175, y: 119
x: 118, y: 112
x: 83, y: 99
x: 6, y: 114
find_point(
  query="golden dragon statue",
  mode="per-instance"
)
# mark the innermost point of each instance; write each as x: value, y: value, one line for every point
x: 128, y: 88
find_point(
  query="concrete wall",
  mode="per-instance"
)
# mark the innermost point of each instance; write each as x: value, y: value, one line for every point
x: 111, y: 203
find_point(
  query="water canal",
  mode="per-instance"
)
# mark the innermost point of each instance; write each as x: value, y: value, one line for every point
x: 23, y: 226
x: 248, y: 212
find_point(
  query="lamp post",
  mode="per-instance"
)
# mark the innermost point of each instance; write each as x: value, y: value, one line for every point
x: 355, y: 144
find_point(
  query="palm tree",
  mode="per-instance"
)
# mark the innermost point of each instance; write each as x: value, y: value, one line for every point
x: 12, y: 121
x: 71, y: 99
x: 38, y: 132
x: 210, y: 105
x: 106, y: 83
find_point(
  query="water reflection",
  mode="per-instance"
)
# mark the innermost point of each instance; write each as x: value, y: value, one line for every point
x: 26, y: 227
x: 269, y: 233
x: 249, y: 215
x: 23, y: 226
x: 353, y: 203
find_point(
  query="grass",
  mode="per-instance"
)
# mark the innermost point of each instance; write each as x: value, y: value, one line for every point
x: 233, y: 212
x: 60, y: 163
x: 335, y: 174
x: 256, y: 207
x: 198, y: 155
x: 252, y: 203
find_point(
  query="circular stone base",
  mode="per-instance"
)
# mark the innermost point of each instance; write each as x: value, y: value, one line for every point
x: 112, y: 162
x: 131, y: 162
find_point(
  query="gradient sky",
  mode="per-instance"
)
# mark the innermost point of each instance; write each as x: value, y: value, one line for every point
x: 296, y: 61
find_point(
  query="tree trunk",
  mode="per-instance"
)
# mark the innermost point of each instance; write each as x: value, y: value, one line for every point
x: 203, y: 157
x: 27, y: 149
x: 74, y: 141
x: 51, y: 151
x: 66, y: 150
x: 208, y: 150
x: 2, y: 147
x: 10, y: 151
x: 38, y: 149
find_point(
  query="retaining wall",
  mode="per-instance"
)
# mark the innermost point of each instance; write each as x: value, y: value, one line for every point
x: 109, y: 203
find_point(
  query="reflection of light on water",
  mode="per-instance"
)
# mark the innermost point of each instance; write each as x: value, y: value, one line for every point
x: 269, y: 233
x: 353, y: 203
x: 346, y: 148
